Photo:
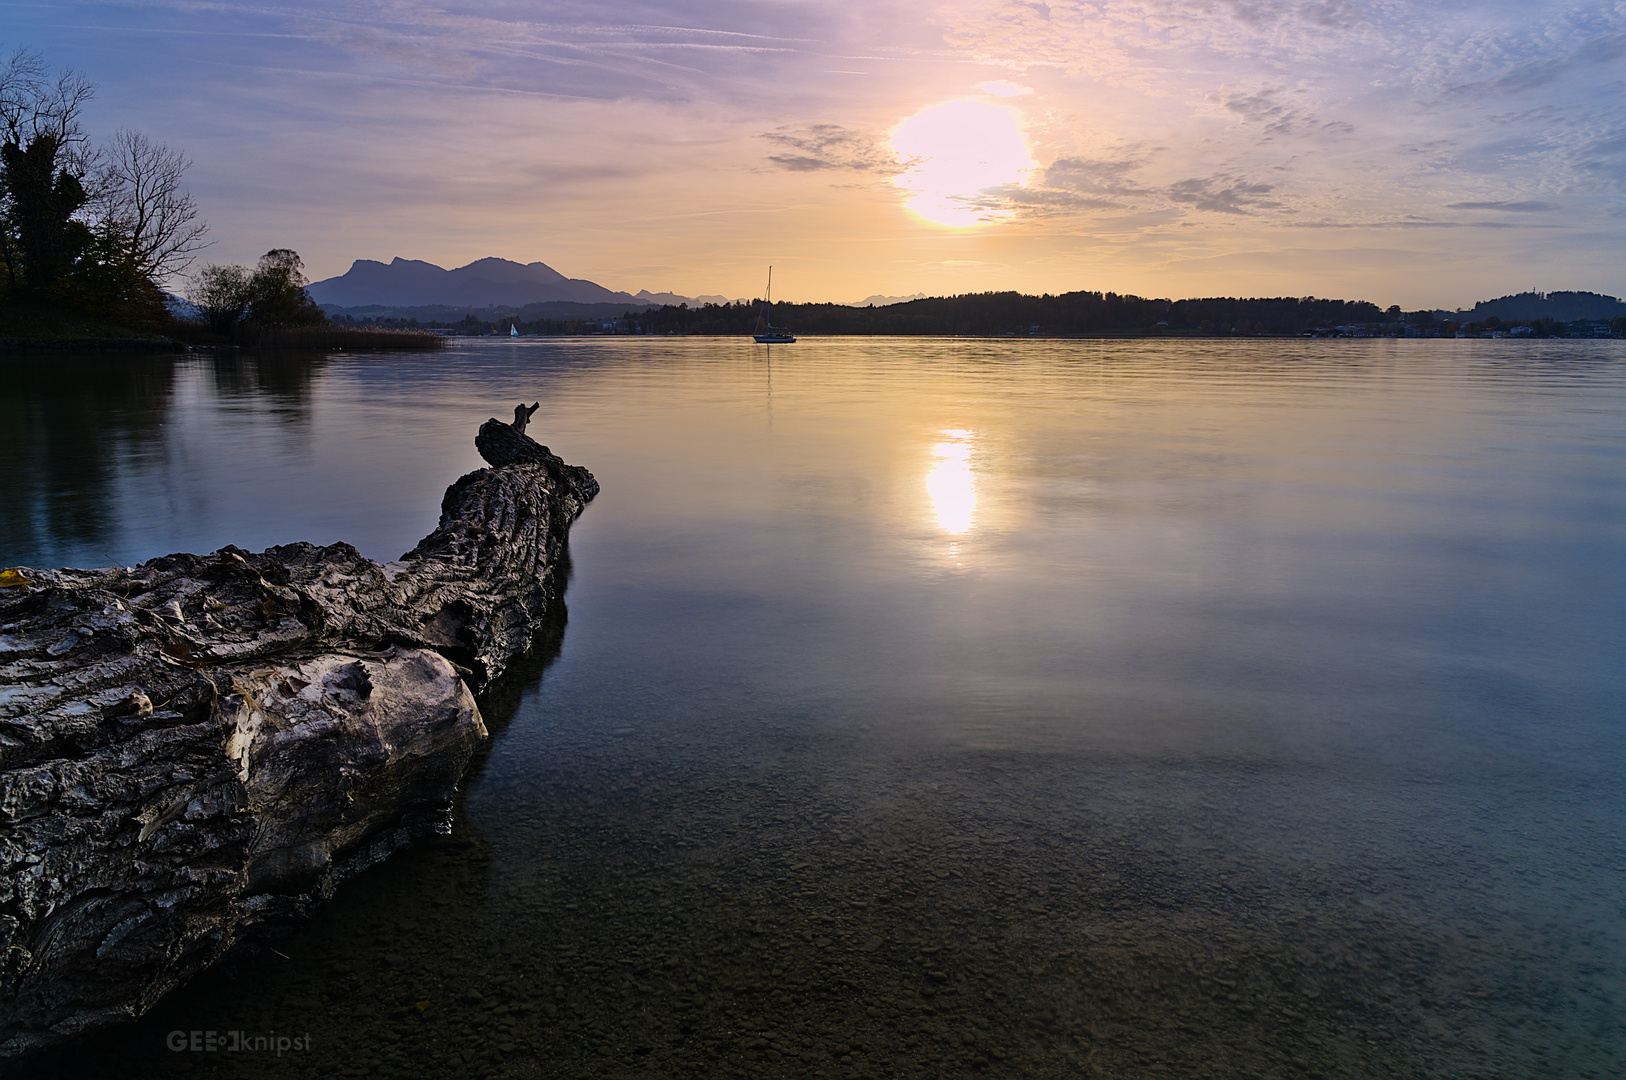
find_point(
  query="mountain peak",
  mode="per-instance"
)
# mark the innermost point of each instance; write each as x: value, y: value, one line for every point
x: 481, y: 283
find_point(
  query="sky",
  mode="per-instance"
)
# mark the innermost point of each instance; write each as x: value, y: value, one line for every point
x: 1427, y: 155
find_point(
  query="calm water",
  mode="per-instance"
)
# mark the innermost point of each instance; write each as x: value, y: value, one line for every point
x: 941, y: 708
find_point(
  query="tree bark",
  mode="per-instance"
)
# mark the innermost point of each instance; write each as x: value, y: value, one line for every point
x: 197, y: 745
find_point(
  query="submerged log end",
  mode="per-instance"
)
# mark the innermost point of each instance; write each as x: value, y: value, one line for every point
x: 504, y: 444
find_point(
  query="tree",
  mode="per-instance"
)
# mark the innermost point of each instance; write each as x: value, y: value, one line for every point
x: 144, y: 207
x: 32, y: 104
x: 41, y: 201
x: 86, y: 228
x: 222, y: 294
x: 272, y: 295
x: 277, y: 291
x: 42, y: 168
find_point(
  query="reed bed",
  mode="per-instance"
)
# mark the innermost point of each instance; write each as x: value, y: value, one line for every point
x: 345, y: 337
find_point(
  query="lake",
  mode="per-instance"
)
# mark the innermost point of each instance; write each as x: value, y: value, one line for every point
x: 944, y: 708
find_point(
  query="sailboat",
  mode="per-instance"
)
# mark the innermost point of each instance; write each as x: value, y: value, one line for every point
x: 773, y: 335
x: 513, y: 331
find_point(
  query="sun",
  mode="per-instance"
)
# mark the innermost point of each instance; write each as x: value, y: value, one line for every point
x: 957, y: 151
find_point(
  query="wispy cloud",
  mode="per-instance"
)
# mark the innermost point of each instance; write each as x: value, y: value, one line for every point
x: 1278, y: 111
x: 1532, y: 206
x: 829, y: 146
x: 1098, y: 176
x: 1224, y: 194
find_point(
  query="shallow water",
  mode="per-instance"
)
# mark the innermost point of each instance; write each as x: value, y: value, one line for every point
x: 948, y: 707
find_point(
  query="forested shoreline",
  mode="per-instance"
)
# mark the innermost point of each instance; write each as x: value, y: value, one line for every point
x: 993, y: 314
x: 1012, y: 314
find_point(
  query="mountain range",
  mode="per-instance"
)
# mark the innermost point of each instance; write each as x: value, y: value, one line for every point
x: 403, y: 283
x: 881, y: 300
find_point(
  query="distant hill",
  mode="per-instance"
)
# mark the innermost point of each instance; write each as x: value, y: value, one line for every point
x: 644, y: 296
x: 413, y: 283
x: 451, y: 313
x: 1562, y: 306
x: 879, y: 300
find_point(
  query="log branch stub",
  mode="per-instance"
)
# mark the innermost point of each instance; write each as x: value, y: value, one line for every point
x: 523, y: 414
x: 507, y: 444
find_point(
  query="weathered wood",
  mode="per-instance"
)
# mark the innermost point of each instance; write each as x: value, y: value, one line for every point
x: 196, y: 745
x: 507, y: 444
x: 523, y: 414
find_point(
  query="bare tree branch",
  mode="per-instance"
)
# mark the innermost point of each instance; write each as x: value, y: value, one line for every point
x: 141, y: 197
x: 21, y: 78
x: 33, y: 105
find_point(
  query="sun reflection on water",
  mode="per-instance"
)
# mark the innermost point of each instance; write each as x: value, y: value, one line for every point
x: 954, y: 495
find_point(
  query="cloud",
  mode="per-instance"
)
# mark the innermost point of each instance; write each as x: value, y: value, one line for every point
x: 829, y: 146
x: 1044, y: 202
x: 1507, y: 207
x: 1224, y: 195
x: 1004, y: 88
x: 1275, y: 110
x: 1419, y: 224
x: 1083, y: 187
x: 1605, y: 156
x: 1098, y: 176
x: 1278, y: 113
x: 1533, y: 61
x: 1134, y: 42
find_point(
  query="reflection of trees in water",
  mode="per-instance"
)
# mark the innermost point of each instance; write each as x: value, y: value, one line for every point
x: 282, y: 381
x: 65, y: 422
x: 71, y: 425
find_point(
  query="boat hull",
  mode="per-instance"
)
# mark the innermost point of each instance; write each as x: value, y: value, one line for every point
x: 772, y: 339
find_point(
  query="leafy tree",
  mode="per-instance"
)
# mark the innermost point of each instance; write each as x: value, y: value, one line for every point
x: 222, y: 294
x: 42, y: 168
x: 277, y: 292
x: 41, y: 201
x: 269, y: 297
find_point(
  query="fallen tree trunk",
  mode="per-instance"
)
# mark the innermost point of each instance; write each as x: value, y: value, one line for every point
x: 194, y: 746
